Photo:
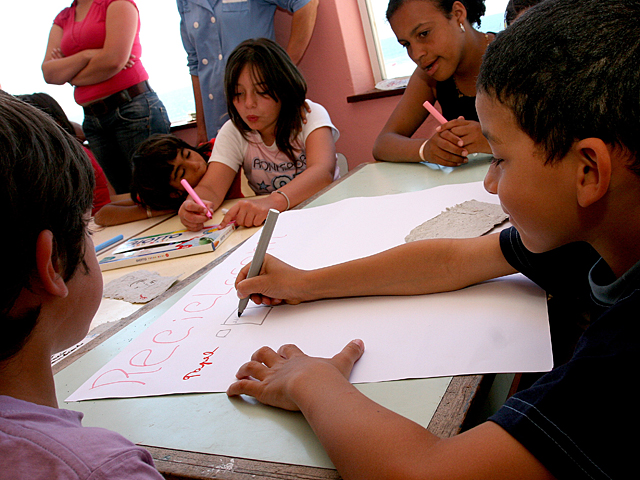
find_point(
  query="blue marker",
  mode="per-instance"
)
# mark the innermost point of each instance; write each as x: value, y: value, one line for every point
x: 108, y: 243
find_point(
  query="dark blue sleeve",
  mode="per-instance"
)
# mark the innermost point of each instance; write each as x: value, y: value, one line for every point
x: 562, y: 272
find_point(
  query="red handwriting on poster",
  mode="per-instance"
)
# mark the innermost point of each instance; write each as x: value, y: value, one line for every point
x: 140, y: 362
x: 205, y: 361
x: 206, y: 303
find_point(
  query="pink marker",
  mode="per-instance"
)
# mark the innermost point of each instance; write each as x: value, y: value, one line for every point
x: 195, y: 196
x: 433, y: 111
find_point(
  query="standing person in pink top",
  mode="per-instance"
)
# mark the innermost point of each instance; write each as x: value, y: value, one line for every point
x: 94, y: 46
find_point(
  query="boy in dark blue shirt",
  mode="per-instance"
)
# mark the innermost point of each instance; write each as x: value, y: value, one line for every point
x: 559, y: 102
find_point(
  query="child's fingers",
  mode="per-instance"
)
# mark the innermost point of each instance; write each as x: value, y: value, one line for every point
x: 230, y: 216
x: 242, y: 275
x: 350, y: 354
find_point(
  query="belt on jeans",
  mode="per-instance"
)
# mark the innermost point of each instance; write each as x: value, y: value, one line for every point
x: 101, y: 107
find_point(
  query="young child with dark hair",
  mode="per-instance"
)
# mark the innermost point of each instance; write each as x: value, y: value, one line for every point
x: 158, y: 166
x: 285, y: 156
x: 45, y: 102
x: 563, y: 123
x: 53, y: 292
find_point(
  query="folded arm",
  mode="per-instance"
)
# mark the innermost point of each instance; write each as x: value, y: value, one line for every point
x: 58, y: 69
x: 89, y: 67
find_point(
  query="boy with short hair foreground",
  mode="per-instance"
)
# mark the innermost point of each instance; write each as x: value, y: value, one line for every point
x: 51, y: 291
x: 559, y: 104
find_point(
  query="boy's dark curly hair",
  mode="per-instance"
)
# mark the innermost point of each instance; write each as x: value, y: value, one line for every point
x: 515, y: 8
x: 581, y: 79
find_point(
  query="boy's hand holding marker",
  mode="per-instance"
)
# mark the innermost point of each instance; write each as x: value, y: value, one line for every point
x: 276, y: 284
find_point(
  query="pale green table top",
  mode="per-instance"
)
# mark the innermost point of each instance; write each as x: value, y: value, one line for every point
x: 241, y: 428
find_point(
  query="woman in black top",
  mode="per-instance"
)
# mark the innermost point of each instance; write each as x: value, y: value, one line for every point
x: 440, y: 38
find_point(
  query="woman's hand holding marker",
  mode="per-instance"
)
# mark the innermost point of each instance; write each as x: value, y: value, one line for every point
x: 445, y: 147
x: 434, y: 111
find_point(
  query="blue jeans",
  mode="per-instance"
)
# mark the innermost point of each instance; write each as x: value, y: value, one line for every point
x: 114, y: 136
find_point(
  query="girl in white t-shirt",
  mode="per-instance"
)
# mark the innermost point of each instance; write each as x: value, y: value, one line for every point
x: 285, y: 157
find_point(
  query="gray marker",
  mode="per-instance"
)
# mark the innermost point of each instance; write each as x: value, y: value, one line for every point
x: 261, y: 249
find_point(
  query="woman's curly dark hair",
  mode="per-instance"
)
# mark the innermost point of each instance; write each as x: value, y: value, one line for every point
x: 475, y: 8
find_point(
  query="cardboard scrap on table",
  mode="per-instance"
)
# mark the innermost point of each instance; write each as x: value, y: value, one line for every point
x: 465, y: 220
x: 140, y: 286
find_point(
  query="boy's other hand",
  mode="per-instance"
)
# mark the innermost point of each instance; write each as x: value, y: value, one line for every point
x: 285, y: 378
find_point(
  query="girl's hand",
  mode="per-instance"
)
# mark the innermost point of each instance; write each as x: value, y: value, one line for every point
x: 283, y: 378
x: 192, y: 215
x: 249, y: 213
x: 277, y: 283
x: 470, y: 133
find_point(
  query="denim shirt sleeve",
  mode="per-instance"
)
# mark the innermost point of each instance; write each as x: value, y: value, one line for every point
x: 289, y: 5
x: 192, y: 56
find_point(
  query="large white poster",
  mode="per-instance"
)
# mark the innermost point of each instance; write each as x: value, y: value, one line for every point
x: 200, y: 342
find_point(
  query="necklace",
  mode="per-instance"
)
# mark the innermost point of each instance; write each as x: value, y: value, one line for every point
x: 486, y: 44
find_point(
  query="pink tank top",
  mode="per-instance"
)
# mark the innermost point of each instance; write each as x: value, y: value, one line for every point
x: 90, y: 33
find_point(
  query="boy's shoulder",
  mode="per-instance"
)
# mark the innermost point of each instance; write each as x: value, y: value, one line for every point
x: 37, y: 441
x: 562, y: 271
x: 572, y: 417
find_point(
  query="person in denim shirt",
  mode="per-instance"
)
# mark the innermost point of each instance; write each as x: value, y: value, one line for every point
x: 211, y: 29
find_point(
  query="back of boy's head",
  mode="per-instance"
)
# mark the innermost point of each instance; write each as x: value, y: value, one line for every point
x: 46, y: 183
x: 568, y: 70
x: 152, y: 172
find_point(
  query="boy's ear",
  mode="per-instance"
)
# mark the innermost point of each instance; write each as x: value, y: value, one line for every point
x: 594, y: 170
x: 47, y: 266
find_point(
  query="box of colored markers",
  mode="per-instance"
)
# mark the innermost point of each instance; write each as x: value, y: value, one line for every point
x: 155, y: 248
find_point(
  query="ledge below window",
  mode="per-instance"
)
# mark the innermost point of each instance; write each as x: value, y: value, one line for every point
x: 183, y: 125
x: 373, y: 94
